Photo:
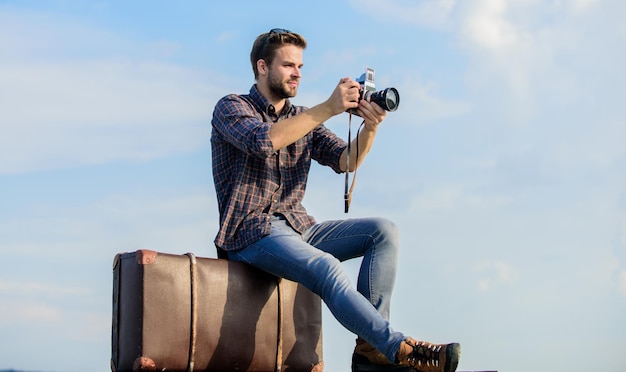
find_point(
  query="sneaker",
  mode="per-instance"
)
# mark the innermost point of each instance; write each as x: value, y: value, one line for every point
x: 426, y: 357
x: 366, y: 358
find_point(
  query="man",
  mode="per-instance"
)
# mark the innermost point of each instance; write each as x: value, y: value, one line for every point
x: 262, y: 147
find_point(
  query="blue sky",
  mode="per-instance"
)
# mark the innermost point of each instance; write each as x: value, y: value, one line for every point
x: 504, y: 167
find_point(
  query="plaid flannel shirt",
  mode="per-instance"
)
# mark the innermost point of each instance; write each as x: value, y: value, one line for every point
x: 252, y: 181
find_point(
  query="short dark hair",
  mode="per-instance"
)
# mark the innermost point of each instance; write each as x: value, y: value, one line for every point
x: 266, y: 44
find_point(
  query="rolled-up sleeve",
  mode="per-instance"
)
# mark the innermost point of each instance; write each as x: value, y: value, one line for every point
x: 327, y: 148
x: 241, y: 125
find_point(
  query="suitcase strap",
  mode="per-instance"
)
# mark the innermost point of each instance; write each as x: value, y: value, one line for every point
x: 194, y: 317
x: 279, y: 348
x: 193, y: 272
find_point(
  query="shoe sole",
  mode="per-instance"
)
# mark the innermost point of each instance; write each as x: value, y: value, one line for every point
x: 378, y: 368
x: 453, y: 354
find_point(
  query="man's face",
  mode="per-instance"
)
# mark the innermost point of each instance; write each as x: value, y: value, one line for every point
x: 283, y: 76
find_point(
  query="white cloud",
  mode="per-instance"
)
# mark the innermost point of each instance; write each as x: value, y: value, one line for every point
x: 26, y: 34
x: 163, y: 48
x: 172, y: 223
x: 227, y: 36
x: 28, y: 311
x: 70, y: 113
x: 494, y: 274
x: 621, y: 283
x: 582, y: 5
x: 8, y: 287
x: 349, y: 55
x: 454, y: 197
x: 487, y: 26
x: 432, y: 14
x: 57, y: 110
x: 546, y: 77
x: 71, y: 324
x: 86, y: 326
x: 179, y: 224
x: 421, y: 102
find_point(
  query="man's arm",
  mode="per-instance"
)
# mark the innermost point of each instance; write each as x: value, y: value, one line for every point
x: 285, y: 132
x: 372, y: 115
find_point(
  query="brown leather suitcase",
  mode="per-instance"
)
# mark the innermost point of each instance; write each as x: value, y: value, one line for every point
x: 183, y: 313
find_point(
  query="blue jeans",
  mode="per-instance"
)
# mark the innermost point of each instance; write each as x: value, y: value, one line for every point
x: 314, y: 260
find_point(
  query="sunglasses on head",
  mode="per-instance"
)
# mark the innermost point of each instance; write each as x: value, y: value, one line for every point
x: 267, y: 39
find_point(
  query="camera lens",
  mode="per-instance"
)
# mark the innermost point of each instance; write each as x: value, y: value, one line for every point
x: 388, y: 99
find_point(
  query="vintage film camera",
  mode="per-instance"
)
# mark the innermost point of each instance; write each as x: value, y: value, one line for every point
x: 388, y: 99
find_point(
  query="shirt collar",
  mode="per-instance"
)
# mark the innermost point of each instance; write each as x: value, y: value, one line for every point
x: 267, y: 107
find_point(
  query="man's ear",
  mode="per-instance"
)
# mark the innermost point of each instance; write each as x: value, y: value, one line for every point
x: 261, y: 66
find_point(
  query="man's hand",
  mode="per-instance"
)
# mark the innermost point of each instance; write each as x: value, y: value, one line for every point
x: 344, y: 97
x: 372, y: 114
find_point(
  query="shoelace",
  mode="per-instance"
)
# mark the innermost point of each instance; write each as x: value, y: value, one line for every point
x: 424, y: 355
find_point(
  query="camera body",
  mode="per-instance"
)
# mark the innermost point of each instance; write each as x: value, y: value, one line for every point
x: 388, y: 98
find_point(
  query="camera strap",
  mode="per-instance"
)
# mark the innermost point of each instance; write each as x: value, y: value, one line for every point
x: 349, y: 187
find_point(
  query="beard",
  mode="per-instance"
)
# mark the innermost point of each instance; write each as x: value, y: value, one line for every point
x: 278, y: 88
